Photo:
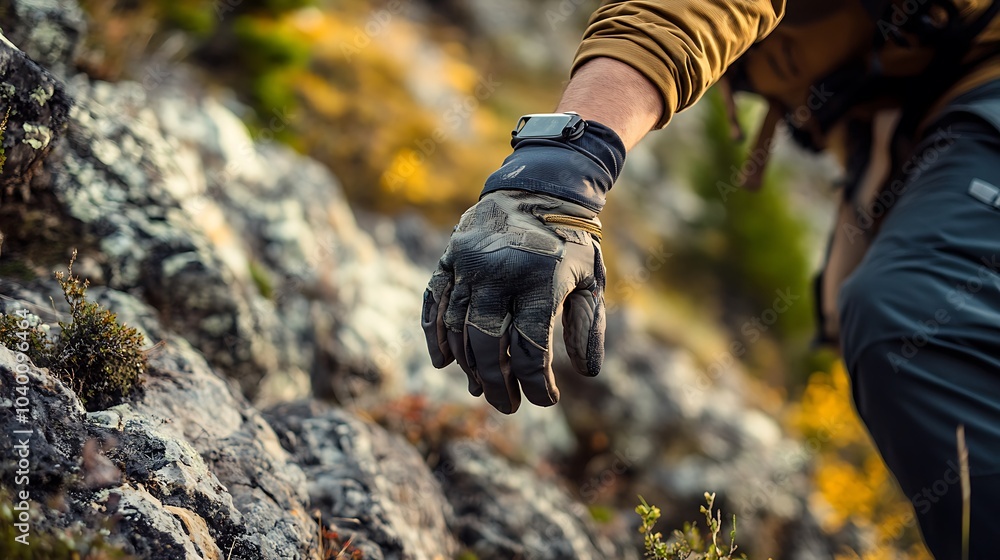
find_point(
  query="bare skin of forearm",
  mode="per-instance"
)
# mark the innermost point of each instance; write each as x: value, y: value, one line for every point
x: 615, y: 95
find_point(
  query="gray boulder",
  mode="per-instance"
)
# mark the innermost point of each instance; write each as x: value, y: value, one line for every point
x: 367, y: 483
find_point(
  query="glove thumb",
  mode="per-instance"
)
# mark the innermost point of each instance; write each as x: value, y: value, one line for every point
x: 583, y: 328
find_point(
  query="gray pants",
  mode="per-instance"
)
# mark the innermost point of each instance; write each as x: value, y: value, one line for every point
x: 921, y: 327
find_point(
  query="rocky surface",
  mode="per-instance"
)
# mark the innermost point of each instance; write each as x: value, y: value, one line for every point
x: 191, y: 470
x: 34, y: 115
x: 367, y: 481
x: 34, y: 109
x: 505, y: 511
x: 245, y: 261
x: 49, y: 32
x: 198, y: 469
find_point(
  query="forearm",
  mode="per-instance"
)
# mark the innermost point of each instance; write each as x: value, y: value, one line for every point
x: 616, y: 95
x: 682, y: 47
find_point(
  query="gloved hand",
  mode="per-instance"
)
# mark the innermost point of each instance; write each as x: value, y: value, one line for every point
x: 530, y: 247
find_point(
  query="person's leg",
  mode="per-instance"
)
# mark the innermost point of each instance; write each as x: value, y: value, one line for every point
x: 920, y: 329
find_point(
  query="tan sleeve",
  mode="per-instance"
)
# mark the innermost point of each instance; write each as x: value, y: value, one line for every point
x: 681, y: 46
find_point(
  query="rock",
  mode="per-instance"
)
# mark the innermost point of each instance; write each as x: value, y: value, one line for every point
x: 247, y: 250
x: 368, y: 484
x: 506, y: 511
x: 34, y: 109
x: 215, y: 455
x: 48, y: 31
x: 188, y: 441
x: 114, y: 180
x: 32, y: 400
x: 189, y: 469
x: 153, y: 531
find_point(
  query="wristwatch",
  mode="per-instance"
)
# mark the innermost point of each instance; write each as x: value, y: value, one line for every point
x: 554, y: 126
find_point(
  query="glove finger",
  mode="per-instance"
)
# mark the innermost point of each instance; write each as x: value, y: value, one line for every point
x: 583, y: 330
x: 454, y: 319
x: 457, y: 340
x: 432, y: 322
x: 484, y: 330
x: 532, y: 365
x: 545, y: 286
x: 494, y: 369
x: 530, y: 355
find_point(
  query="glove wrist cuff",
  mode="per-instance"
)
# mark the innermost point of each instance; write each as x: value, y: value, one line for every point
x: 582, y: 170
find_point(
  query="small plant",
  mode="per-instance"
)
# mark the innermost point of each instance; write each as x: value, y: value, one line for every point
x: 52, y: 544
x: 99, y: 358
x: 25, y: 332
x: 687, y: 544
x: 262, y: 279
x: 3, y: 132
x: 332, y: 545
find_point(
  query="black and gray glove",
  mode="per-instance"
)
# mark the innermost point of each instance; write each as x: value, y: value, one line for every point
x: 529, y: 248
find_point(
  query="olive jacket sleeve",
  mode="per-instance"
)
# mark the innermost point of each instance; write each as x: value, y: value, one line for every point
x: 681, y: 46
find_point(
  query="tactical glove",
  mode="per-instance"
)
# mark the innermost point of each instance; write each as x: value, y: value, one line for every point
x: 529, y: 248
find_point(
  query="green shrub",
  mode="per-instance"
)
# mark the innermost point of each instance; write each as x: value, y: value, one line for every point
x: 689, y: 543
x: 194, y: 16
x: 99, y: 358
x: 746, y: 250
x: 752, y: 243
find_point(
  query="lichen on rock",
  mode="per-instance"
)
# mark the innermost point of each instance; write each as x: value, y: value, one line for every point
x: 37, y: 136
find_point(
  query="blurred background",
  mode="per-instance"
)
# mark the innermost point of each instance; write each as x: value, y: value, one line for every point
x: 711, y: 383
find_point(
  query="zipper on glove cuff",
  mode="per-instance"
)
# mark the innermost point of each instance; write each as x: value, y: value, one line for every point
x: 573, y: 221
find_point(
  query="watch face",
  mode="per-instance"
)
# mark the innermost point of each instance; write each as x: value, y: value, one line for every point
x: 548, y: 126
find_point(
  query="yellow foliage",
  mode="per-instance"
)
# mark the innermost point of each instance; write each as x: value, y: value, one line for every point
x: 852, y: 483
x: 825, y: 412
x: 322, y: 97
x: 844, y: 487
x: 400, y: 130
x: 409, y: 175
